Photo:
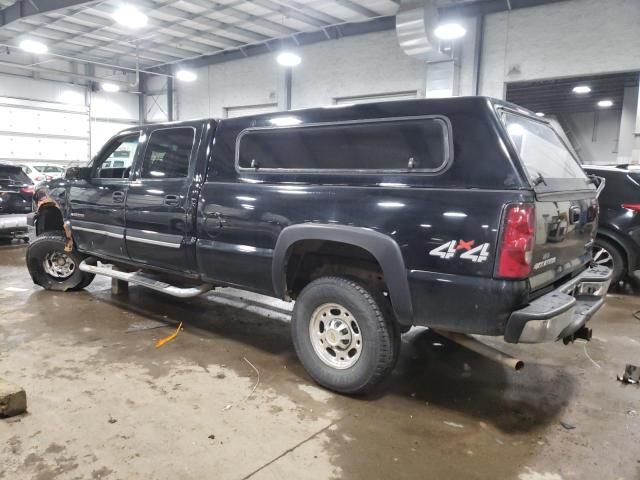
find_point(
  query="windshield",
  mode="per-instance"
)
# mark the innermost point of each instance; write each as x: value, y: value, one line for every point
x: 541, y: 150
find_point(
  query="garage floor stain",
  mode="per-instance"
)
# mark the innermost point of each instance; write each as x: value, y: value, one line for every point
x: 104, y: 403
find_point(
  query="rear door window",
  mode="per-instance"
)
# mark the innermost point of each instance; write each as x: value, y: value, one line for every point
x: 168, y: 153
x: 14, y: 175
x: 418, y: 144
x: 544, y: 155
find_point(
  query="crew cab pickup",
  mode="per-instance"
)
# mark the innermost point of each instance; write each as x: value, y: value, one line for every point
x: 466, y: 215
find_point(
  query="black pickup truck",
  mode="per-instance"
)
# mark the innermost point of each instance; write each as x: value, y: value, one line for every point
x: 466, y: 215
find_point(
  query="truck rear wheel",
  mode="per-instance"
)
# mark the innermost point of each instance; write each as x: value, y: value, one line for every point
x: 344, y: 335
x: 54, y: 269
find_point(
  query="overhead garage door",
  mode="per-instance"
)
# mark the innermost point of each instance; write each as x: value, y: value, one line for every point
x: 241, y: 111
x: 43, y: 131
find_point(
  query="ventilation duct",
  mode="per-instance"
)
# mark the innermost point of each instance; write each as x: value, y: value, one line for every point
x: 415, y: 22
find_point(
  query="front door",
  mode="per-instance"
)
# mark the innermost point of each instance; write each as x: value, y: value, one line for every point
x: 97, y: 204
x: 160, y: 223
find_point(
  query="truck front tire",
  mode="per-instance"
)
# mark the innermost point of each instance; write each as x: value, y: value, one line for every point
x: 54, y: 269
x: 344, y: 335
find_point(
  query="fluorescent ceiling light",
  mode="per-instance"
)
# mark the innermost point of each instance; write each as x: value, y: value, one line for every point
x: 450, y: 31
x: 33, y: 46
x: 288, y: 59
x: 605, y: 103
x: 110, y: 87
x: 186, y: 75
x: 285, y: 121
x: 539, y: 114
x: 130, y: 16
x: 581, y: 89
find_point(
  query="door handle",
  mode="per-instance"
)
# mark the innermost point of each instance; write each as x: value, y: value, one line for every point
x: 118, y: 197
x: 574, y: 214
x: 171, y: 200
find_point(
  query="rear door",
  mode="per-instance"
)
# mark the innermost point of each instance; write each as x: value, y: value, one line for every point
x: 97, y: 204
x: 161, y: 201
x: 566, y: 205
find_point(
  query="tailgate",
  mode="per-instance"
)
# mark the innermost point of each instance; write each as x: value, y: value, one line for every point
x: 565, y: 199
x: 565, y: 228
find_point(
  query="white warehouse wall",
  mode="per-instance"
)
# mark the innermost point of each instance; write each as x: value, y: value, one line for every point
x: 250, y: 81
x: 564, y: 39
x: 354, y: 66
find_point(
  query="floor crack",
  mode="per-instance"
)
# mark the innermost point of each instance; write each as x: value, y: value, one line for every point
x: 289, y: 450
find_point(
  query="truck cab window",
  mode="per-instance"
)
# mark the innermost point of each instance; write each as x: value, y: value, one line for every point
x: 168, y: 153
x: 117, y: 161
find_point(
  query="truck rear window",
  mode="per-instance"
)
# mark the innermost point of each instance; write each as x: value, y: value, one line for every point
x: 543, y: 153
x: 416, y: 144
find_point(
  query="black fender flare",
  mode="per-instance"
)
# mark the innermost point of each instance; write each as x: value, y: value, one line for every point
x: 383, y: 248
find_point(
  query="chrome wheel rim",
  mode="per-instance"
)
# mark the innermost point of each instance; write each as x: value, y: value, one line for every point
x: 335, y: 336
x: 602, y: 256
x: 58, y: 265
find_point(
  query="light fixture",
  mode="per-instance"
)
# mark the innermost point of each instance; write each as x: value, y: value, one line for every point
x: 450, y: 31
x: 581, y: 89
x: 288, y: 59
x: 539, y: 114
x: 130, y: 17
x: 605, y: 103
x: 186, y: 75
x: 110, y: 87
x: 33, y: 46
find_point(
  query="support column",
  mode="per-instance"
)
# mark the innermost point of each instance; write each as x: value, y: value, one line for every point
x: 288, y: 80
x: 628, y: 120
x: 170, y: 99
x: 443, y: 79
x: 142, y: 87
x: 635, y: 152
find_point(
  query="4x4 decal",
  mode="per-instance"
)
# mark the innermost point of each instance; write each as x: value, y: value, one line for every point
x: 449, y: 249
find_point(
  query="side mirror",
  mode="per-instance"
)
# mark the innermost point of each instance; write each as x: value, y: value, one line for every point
x: 77, y: 173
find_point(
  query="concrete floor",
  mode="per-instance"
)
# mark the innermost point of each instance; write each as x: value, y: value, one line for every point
x: 104, y: 403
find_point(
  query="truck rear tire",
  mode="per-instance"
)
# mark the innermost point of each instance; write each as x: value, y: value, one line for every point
x: 54, y: 269
x: 344, y: 335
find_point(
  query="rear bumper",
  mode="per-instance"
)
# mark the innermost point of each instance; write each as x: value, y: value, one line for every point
x: 561, y: 312
x: 13, y: 226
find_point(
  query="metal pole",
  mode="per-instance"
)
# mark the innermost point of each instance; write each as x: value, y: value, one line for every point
x: 170, y: 99
x: 288, y: 77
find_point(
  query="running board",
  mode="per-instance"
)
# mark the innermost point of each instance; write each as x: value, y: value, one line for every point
x: 138, y: 278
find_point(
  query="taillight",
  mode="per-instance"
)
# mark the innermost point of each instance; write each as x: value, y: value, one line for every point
x: 27, y: 190
x: 40, y: 178
x: 632, y: 206
x: 518, y: 238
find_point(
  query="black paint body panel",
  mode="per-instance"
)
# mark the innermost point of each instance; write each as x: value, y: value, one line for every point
x: 232, y: 224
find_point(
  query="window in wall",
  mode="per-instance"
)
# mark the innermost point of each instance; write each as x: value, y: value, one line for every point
x: 412, y: 144
x: 124, y: 150
x: 168, y: 152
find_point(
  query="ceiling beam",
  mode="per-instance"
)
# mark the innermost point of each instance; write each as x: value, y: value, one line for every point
x: 485, y: 7
x: 26, y: 8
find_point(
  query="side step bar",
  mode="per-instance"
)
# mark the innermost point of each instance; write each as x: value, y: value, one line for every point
x: 138, y: 278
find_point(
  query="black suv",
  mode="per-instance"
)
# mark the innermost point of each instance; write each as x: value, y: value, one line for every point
x: 617, y: 243
x: 466, y: 215
x: 16, y: 190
